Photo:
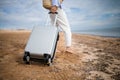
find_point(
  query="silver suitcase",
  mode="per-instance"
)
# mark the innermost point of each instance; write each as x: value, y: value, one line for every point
x: 42, y: 44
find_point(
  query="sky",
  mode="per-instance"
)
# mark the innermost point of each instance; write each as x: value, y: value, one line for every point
x: 82, y: 14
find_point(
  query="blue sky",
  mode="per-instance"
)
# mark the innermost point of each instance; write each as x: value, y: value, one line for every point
x: 82, y: 14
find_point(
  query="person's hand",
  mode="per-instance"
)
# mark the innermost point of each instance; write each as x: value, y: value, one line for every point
x: 53, y: 9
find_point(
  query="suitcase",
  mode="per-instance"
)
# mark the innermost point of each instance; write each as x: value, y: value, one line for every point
x: 42, y: 44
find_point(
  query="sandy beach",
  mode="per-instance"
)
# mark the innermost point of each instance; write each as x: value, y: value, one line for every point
x: 92, y: 58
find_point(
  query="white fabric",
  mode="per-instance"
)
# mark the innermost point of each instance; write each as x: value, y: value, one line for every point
x: 63, y: 23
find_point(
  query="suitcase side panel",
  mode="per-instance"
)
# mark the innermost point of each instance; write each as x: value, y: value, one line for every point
x: 42, y: 40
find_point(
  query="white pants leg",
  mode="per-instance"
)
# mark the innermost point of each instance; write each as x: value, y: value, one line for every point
x: 63, y: 23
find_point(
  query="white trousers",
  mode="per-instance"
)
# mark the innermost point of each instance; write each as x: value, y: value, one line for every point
x: 63, y: 23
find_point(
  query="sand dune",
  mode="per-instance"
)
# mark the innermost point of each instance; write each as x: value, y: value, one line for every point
x: 93, y: 58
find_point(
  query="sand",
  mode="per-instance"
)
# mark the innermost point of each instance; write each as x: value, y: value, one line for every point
x: 92, y: 58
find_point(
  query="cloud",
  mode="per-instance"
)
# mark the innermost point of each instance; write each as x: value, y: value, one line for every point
x: 21, y: 13
x: 95, y: 13
x: 86, y: 13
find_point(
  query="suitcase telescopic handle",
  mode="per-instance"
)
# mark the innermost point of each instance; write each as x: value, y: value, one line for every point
x: 55, y: 20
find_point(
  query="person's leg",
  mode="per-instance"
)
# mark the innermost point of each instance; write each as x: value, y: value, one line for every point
x: 63, y: 23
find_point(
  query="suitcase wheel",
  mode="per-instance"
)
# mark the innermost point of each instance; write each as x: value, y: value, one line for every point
x: 26, y: 58
x: 49, y: 63
x: 47, y: 59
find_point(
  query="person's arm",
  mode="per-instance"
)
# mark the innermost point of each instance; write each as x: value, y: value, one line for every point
x: 55, y: 5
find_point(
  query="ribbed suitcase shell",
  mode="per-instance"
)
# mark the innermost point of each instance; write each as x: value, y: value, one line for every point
x: 42, y: 41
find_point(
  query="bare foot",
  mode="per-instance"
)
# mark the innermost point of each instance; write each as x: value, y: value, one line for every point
x: 69, y: 50
x: 58, y: 51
